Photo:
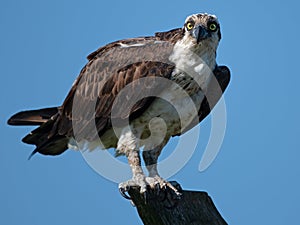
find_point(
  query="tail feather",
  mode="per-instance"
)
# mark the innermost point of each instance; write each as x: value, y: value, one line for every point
x: 32, y: 117
x: 47, y: 142
x: 40, y: 134
x: 54, y: 146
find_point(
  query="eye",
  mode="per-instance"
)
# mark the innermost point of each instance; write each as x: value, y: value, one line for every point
x: 189, y: 25
x: 213, y: 26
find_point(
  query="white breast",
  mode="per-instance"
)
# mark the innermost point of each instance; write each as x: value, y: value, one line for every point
x: 193, y: 70
x: 183, y: 96
x: 197, y: 63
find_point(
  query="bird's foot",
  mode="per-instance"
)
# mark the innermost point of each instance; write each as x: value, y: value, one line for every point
x: 156, y: 184
x: 138, y: 180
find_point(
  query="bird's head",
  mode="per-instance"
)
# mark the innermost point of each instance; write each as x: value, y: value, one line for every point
x: 202, y: 29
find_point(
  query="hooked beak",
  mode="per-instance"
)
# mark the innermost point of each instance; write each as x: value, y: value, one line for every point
x: 200, y: 33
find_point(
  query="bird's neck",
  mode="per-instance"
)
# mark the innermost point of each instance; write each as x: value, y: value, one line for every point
x: 186, y: 57
x: 193, y: 66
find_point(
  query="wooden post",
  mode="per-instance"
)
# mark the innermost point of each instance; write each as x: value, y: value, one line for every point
x: 161, y: 208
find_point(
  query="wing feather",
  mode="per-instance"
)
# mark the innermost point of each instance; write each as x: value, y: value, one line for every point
x: 109, y: 70
x: 215, y: 89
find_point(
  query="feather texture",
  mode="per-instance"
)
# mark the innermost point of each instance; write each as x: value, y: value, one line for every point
x: 91, y: 99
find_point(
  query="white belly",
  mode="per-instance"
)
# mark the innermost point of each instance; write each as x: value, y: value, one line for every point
x: 168, y: 115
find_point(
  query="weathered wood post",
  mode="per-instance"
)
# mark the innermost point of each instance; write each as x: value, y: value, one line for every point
x: 193, y: 208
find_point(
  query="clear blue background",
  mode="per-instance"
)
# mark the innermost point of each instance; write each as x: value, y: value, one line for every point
x: 255, y: 178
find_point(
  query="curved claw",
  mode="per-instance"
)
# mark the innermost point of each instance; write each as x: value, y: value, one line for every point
x: 176, y: 188
x: 178, y: 195
x: 123, y: 193
x: 157, y: 189
x: 145, y: 197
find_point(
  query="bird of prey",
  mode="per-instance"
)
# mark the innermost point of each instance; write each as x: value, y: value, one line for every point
x: 136, y: 94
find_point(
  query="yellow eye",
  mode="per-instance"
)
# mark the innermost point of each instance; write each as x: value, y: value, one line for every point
x: 189, y: 25
x: 213, y: 27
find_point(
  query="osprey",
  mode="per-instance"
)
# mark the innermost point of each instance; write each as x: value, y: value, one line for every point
x: 136, y: 93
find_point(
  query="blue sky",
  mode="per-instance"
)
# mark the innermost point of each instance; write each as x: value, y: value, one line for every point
x: 254, y: 179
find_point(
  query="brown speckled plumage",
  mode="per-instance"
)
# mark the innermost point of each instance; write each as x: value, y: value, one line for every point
x: 115, y: 66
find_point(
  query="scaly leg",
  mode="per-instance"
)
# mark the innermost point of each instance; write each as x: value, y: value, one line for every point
x: 128, y: 145
x: 150, y: 157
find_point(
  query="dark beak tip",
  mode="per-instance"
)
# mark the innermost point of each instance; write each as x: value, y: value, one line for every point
x: 201, y: 34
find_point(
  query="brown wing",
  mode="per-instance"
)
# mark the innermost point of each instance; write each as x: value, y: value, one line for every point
x: 108, y: 72
x: 85, y: 114
x: 90, y: 101
x: 216, y: 88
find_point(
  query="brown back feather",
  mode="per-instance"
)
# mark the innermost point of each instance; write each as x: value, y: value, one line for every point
x: 94, y: 92
x: 109, y: 70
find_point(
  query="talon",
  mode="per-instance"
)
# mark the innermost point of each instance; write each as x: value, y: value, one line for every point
x: 123, y: 193
x: 157, y: 188
x: 176, y: 190
x: 177, y: 186
x: 178, y: 195
x: 136, y: 181
x: 145, y: 197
